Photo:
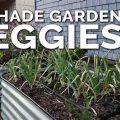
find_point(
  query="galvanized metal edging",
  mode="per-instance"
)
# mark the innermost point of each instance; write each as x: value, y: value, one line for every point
x: 15, y: 105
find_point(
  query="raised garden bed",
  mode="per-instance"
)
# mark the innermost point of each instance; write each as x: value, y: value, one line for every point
x: 42, y: 98
x: 46, y: 101
x: 66, y: 88
x: 15, y: 105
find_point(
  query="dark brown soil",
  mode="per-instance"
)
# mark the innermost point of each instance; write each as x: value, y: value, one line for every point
x: 108, y: 108
x: 55, y: 106
x: 6, y: 57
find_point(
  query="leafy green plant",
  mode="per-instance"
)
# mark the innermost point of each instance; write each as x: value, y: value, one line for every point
x: 1, y: 54
x: 13, y: 68
x: 64, y: 67
x: 99, y: 81
x: 77, y: 76
x: 85, y: 116
x: 28, y: 66
x: 117, y: 77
